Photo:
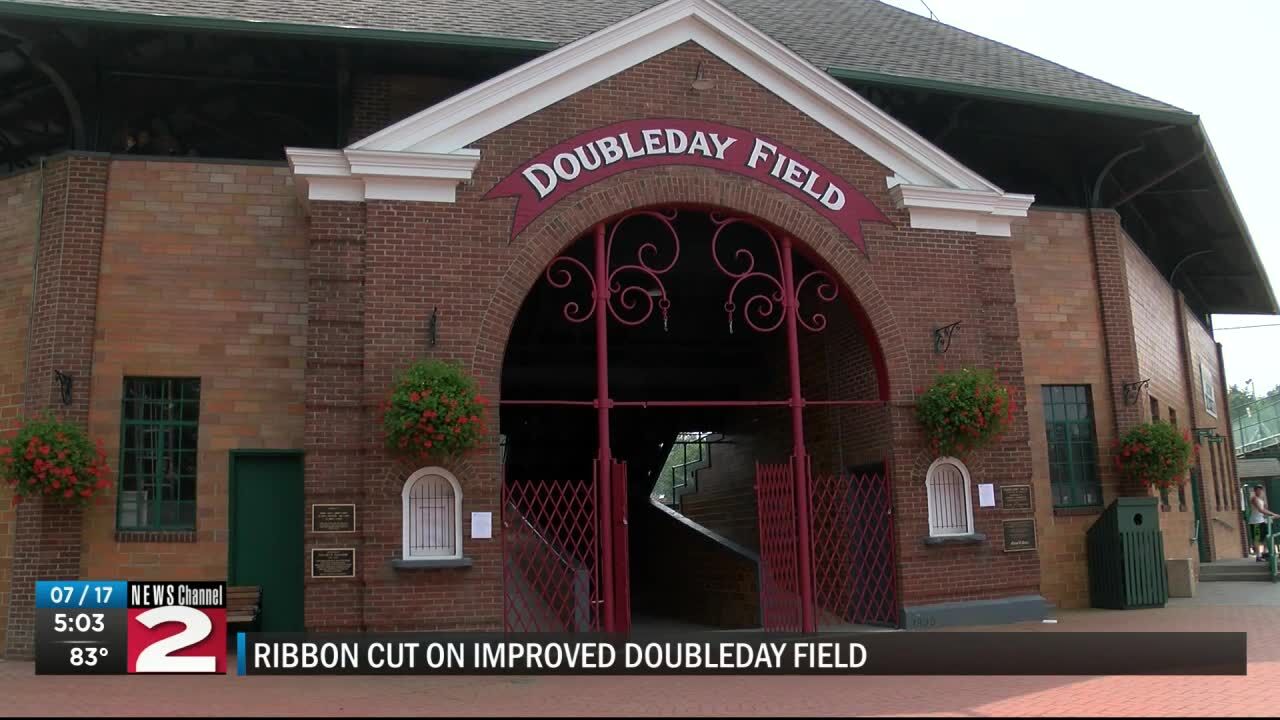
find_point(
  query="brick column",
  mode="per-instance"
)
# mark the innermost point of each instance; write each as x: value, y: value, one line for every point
x: 1224, y: 409
x: 1009, y: 461
x: 1117, y: 324
x: 336, y: 423
x: 1193, y: 421
x: 47, y: 537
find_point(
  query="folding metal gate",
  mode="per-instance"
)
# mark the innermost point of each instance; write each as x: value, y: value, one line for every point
x: 852, y: 550
x: 853, y: 567
x: 780, y: 605
x: 550, y: 556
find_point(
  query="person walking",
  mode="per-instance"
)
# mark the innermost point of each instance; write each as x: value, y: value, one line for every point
x: 1259, y: 517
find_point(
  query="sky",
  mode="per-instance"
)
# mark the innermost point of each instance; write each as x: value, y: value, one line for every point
x: 1216, y: 59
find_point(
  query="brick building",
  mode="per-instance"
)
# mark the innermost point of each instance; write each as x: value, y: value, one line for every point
x: 778, y: 227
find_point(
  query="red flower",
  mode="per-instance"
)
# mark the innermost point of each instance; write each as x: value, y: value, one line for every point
x: 414, y: 397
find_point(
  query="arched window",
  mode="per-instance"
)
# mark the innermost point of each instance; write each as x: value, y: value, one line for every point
x: 950, y: 506
x: 432, y: 501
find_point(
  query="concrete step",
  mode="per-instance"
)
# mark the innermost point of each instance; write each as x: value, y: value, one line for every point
x: 1236, y: 572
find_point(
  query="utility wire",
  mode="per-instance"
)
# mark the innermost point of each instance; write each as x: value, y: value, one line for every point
x: 932, y: 16
x: 1246, y: 327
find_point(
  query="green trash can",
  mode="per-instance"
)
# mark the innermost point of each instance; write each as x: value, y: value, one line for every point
x: 1126, y: 556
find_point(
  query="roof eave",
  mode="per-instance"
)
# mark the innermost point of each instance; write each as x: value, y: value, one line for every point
x: 32, y: 11
x: 1229, y: 197
x: 1170, y: 116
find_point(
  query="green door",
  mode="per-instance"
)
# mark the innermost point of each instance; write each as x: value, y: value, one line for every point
x: 1202, y: 525
x: 266, y: 533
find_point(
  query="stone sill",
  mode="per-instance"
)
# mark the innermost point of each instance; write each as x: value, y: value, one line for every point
x: 970, y: 539
x: 155, y: 536
x: 431, y: 564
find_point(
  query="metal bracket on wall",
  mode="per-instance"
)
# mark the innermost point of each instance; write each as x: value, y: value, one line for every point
x: 431, y: 327
x: 65, y: 383
x: 1133, y: 391
x: 942, y: 337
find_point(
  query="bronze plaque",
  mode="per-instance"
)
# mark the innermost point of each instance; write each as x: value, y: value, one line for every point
x: 1015, y: 497
x: 1019, y: 535
x: 333, y: 562
x: 333, y: 518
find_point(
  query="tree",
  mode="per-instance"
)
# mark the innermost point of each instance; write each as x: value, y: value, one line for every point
x: 1237, y: 398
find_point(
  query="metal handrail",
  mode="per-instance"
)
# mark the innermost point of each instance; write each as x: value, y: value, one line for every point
x: 1271, y: 549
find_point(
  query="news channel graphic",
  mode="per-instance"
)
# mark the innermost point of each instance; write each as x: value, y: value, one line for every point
x: 758, y: 653
x: 117, y: 627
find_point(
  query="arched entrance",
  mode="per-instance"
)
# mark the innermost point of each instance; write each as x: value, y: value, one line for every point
x: 667, y: 351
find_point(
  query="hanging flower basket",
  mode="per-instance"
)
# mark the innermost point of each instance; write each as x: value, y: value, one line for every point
x: 434, y: 412
x: 964, y: 410
x: 54, y: 459
x: 1154, y: 454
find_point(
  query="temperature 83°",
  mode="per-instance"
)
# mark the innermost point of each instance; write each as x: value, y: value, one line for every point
x: 79, y: 622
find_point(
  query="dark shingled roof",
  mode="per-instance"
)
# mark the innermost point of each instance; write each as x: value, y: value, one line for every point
x: 862, y: 36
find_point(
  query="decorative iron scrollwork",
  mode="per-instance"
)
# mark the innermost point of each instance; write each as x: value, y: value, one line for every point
x: 765, y: 309
x: 942, y: 337
x: 635, y: 289
x: 1133, y: 391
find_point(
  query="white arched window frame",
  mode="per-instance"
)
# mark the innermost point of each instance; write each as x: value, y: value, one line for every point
x: 432, y: 515
x: 950, y: 502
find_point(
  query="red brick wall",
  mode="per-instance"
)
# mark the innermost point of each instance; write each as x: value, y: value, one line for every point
x: 1157, y: 330
x: 1221, y: 491
x: 1060, y: 317
x: 203, y: 275
x: 19, y: 200
x: 47, y: 535
x: 412, y: 253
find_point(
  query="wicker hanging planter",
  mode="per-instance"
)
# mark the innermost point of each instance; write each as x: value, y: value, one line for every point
x: 49, y: 458
x: 964, y: 410
x: 434, y: 413
x: 1154, y: 454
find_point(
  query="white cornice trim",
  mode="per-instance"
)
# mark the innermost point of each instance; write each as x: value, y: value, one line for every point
x: 476, y: 113
x: 358, y: 175
x: 980, y: 212
x: 425, y: 156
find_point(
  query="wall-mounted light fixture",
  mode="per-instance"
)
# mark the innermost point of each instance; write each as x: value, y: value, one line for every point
x: 65, y: 384
x: 942, y: 337
x: 700, y: 82
x: 1133, y: 391
x: 431, y: 328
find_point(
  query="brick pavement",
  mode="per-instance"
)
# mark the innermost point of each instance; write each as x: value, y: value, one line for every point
x: 1253, y: 607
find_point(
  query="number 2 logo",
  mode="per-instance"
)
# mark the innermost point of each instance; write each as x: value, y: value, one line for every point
x: 157, y: 656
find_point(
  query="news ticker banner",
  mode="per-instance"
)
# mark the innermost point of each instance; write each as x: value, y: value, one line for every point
x: 743, y: 653
x: 119, y: 627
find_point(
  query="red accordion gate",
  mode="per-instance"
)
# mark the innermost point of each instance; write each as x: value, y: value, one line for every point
x: 854, y: 579
x: 854, y: 571
x: 552, y: 554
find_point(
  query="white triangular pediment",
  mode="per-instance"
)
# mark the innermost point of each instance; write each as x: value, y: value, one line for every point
x: 425, y: 156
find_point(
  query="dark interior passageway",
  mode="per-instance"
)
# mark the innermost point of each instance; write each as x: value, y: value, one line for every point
x: 684, y: 380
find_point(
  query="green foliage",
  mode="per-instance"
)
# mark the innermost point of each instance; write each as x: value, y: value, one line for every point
x: 1155, y: 454
x: 964, y: 411
x: 50, y: 458
x: 434, y: 412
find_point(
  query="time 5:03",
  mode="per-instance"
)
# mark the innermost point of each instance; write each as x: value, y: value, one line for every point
x: 78, y: 622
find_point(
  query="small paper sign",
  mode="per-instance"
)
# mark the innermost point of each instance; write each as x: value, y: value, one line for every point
x: 481, y: 525
x: 986, y: 495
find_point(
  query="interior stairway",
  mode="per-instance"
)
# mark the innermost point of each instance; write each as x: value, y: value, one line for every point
x: 1246, y: 570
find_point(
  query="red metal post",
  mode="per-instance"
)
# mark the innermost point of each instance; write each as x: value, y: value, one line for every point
x: 799, y: 459
x: 605, y: 470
